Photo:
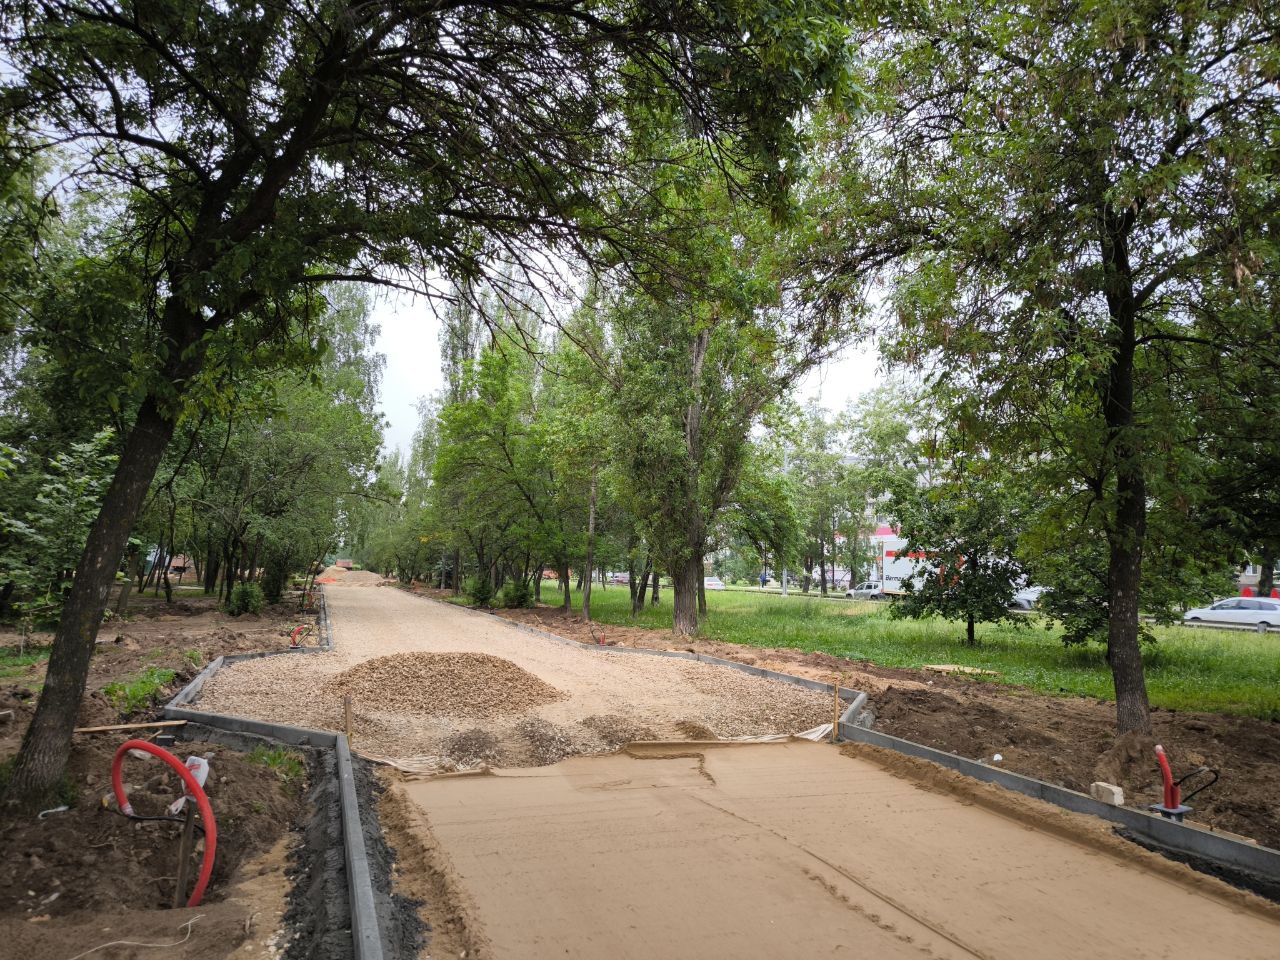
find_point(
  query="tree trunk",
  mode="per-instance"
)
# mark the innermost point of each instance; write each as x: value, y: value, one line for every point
x: 1267, y: 570
x: 42, y: 760
x: 1129, y: 520
x: 591, y: 548
x: 637, y: 601
x: 565, y: 603
x: 685, y: 576
x: 455, y: 575
x: 702, y: 596
x: 822, y: 565
x: 653, y: 595
x: 969, y: 636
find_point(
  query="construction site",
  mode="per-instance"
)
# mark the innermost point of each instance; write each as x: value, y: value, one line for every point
x: 516, y: 793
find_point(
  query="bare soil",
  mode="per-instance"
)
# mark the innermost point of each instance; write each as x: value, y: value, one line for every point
x: 183, y: 637
x: 828, y: 852
x: 1068, y: 741
x: 87, y: 876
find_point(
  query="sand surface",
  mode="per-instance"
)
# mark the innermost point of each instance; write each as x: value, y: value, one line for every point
x: 800, y: 850
x: 608, y: 698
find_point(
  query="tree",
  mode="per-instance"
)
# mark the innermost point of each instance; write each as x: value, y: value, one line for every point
x: 964, y: 535
x: 263, y: 150
x: 1059, y: 192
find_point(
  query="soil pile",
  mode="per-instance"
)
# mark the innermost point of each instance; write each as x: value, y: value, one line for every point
x: 472, y: 685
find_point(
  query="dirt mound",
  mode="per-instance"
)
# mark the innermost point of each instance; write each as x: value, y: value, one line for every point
x: 472, y: 685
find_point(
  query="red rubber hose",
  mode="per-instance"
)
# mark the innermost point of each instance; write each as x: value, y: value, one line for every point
x: 193, y: 788
x: 1172, y: 798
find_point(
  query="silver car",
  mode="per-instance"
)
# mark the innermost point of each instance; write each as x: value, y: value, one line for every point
x: 1262, y: 613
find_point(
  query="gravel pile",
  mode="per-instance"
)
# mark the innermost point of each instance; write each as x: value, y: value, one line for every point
x: 470, y: 685
x: 615, y: 730
x: 471, y: 747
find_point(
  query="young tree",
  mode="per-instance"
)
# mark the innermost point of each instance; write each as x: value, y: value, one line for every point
x: 964, y: 536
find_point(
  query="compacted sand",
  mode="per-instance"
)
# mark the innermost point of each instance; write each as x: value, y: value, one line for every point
x: 796, y: 850
x: 605, y: 698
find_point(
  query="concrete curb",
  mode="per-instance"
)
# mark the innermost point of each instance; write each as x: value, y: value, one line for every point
x: 1182, y: 837
x: 366, y: 938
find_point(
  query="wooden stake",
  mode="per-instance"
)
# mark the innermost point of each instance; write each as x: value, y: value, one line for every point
x: 184, y: 853
x: 835, y: 719
x: 346, y: 715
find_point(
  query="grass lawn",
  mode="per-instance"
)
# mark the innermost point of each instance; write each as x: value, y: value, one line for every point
x: 1187, y: 669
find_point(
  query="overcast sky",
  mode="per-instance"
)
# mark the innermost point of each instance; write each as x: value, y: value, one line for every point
x: 410, y: 341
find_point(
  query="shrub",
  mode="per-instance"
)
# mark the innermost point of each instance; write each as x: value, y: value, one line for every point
x: 516, y: 593
x: 479, y: 589
x: 273, y: 580
x: 246, y: 598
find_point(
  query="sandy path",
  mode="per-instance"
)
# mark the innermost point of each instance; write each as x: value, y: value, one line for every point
x: 795, y: 850
x: 628, y: 696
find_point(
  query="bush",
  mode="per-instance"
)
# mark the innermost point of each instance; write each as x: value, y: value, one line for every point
x: 246, y: 598
x: 479, y: 589
x: 273, y: 581
x: 516, y: 593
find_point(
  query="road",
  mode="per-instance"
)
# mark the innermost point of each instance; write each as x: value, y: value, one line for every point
x: 797, y: 850
x: 651, y: 696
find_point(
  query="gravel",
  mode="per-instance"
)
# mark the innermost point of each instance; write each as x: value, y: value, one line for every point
x: 471, y: 685
x: 601, y: 698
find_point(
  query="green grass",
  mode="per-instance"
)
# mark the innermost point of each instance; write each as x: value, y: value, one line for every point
x: 193, y: 656
x: 140, y: 692
x: 289, y: 766
x: 1187, y: 669
x: 15, y: 664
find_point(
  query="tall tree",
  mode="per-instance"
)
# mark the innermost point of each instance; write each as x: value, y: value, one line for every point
x: 1054, y: 189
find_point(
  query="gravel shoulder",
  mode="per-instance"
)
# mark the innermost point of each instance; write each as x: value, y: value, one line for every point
x: 605, y: 698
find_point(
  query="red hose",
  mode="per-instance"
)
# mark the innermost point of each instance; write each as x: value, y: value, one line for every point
x: 193, y: 788
x: 1172, y: 795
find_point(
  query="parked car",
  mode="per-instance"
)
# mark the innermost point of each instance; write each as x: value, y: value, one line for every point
x: 712, y: 583
x: 621, y: 578
x: 867, y: 590
x: 1261, y: 613
x: 1027, y: 598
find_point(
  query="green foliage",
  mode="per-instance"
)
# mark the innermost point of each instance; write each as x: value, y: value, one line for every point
x: 1223, y: 671
x: 246, y: 598
x: 140, y: 692
x: 288, y: 765
x: 965, y: 532
x: 516, y: 593
x: 479, y: 589
x: 193, y: 656
x: 42, y: 535
x: 273, y: 579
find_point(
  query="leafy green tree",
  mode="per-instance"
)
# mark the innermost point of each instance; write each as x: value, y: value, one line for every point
x: 1053, y: 195
x: 964, y: 533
